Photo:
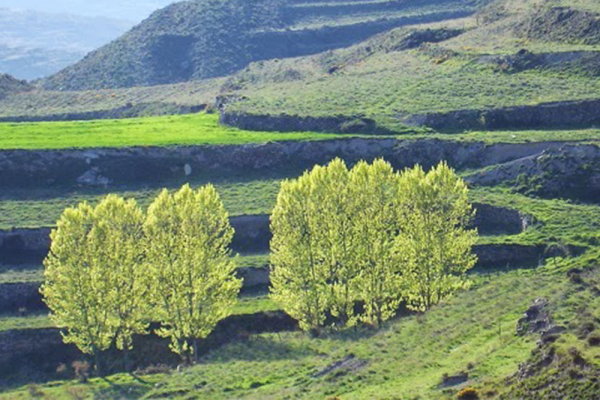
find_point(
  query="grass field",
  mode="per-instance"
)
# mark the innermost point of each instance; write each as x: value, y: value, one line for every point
x: 204, y: 129
x: 39, y: 208
x: 390, y: 84
x: 406, y: 359
x: 196, y: 129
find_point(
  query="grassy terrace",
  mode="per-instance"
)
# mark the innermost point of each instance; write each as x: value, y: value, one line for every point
x: 558, y: 220
x: 403, y: 360
x: 198, y: 129
x: 246, y: 305
x: 41, y: 207
x: 204, y: 129
x: 388, y: 84
x: 34, y: 273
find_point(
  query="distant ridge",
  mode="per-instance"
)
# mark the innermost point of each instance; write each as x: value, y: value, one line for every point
x: 10, y: 85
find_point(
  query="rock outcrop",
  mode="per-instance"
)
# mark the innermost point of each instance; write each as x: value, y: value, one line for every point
x: 571, y: 171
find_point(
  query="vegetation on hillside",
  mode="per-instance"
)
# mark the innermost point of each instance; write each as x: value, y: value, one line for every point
x: 368, y: 236
x: 110, y: 273
x: 470, y: 337
x: 204, y: 39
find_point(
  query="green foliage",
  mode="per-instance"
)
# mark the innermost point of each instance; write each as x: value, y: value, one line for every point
x: 375, y: 191
x: 118, y: 234
x: 368, y: 235
x: 435, y: 244
x: 297, y: 278
x: 94, y: 283
x: 193, y: 285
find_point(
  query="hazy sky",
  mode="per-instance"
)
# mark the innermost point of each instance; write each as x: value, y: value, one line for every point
x: 130, y: 10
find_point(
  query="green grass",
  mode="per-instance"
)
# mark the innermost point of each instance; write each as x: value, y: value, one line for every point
x: 21, y: 274
x: 386, y: 85
x: 35, y: 321
x: 554, y: 220
x: 195, y: 129
x: 42, y: 207
x: 247, y: 304
x: 405, y: 359
x: 35, y: 273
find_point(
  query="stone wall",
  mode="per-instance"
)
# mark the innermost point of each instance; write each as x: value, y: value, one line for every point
x: 156, y: 165
x: 583, y: 113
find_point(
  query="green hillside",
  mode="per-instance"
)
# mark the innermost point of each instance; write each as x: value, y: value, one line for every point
x: 208, y: 38
x: 505, y: 91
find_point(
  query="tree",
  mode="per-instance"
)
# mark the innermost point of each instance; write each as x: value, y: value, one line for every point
x: 94, y: 281
x: 118, y: 239
x: 434, y: 242
x: 298, y: 279
x: 312, y: 251
x: 194, y: 284
x: 375, y: 191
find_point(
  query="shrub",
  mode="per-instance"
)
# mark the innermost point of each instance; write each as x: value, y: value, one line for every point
x: 468, y: 394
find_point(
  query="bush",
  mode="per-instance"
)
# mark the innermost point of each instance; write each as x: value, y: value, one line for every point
x: 468, y: 394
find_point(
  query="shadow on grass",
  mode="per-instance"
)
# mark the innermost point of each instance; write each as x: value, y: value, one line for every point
x: 259, y: 348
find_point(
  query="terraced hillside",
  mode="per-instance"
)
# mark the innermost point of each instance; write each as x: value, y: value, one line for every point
x: 522, y: 227
x: 509, y: 97
x: 484, y: 75
x: 496, y: 69
x: 205, y: 39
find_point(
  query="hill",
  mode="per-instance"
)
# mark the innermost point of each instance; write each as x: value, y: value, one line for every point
x: 511, y: 54
x: 485, y: 71
x: 36, y: 44
x: 10, y: 85
x: 206, y: 38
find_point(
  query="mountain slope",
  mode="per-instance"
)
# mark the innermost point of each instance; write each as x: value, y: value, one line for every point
x: 209, y: 38
x: 9, y: 85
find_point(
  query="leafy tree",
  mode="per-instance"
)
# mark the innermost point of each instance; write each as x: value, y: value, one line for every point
x: 194, y: 284
x: 333, y: 227
x: 117, y: 239
x: 378, y: 282
x: 298, y: 279
x: 313, y: 261
x: 94, y: 280
x: 435, y: 243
